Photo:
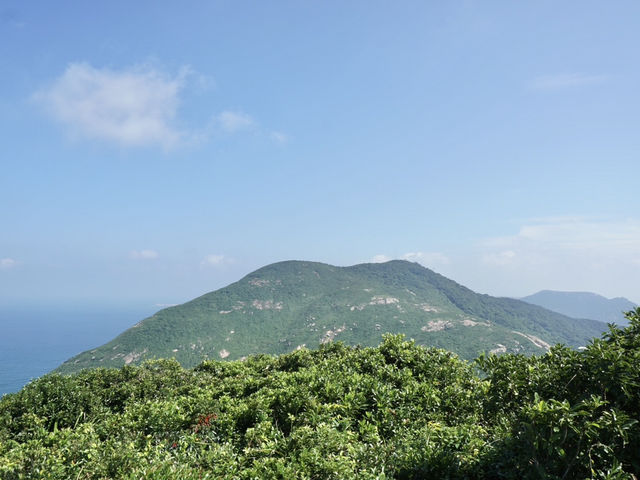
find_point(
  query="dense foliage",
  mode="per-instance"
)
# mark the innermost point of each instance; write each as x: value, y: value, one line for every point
x: 395, y: 411
x: 289, y: 304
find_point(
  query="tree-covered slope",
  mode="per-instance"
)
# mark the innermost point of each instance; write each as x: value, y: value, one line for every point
x: 583, y: 305
x: 293, y: 304
x: 397, y: 411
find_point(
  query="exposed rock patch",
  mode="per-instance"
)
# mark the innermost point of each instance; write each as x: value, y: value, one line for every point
x: 425, y: 307
x: 266, y: 305
x: 538, y: 342
x: 239, y: 306
x: 380, y: 300
x: 329, y: 335
x: 133, y: 356
x: 436, y: 326
x: 467, y: 322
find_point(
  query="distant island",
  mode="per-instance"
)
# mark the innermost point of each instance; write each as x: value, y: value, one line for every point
x: 584, y: 305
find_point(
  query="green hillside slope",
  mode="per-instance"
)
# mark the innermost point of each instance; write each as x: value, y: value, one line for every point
x: 293, y: 304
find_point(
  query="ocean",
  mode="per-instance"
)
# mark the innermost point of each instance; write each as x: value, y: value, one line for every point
x: 35, y: 340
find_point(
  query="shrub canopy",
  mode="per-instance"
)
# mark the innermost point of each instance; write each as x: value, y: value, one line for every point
x: 395, y: 411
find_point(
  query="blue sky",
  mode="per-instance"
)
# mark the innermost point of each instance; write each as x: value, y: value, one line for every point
x: 152, y: 152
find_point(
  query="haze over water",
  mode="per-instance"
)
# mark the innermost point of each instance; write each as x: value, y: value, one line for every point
x: 36, y: 339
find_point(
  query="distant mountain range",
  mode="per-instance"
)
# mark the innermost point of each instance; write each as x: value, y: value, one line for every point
x: 583, y: 305
x: 297, y: 304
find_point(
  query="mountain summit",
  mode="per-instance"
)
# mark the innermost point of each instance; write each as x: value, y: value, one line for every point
x: 297, y: 304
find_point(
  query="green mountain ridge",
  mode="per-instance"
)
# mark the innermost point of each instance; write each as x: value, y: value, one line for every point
x: 295, y: 304
x: 583, y: 305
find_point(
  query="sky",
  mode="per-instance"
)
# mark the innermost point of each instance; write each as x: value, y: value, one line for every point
x: 155, y: 151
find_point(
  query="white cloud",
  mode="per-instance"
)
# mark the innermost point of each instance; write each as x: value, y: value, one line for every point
x: 565, y: 80
x: 614, y: 237
x: 131, y: 107
x: 380, y: 258
x: 564, y: 253
x: 135, y: 107
x: 215, y: 260
x: 6, y: 263
x: 232, y: 122
x: 144, y: 254
x: 427, y: 258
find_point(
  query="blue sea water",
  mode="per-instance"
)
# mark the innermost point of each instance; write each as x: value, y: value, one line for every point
x: 35, y: 340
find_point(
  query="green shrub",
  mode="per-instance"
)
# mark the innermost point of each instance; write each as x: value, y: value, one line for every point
x: 395, y: 411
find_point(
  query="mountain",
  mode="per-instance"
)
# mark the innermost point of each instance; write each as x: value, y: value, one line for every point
x: 583, y: 305
x: 296, y: 304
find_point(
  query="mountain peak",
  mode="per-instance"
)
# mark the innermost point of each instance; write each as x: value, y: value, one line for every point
x: 296, y: 303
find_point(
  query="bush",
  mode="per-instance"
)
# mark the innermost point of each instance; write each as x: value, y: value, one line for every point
x: 395, y: 411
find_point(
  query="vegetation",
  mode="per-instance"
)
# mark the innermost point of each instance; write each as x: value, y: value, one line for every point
x: 290, y: 304
x: 395, y: 411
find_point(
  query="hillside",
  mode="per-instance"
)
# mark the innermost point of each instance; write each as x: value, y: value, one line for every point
x: 583, y: 305
x: 397, y: 411
x: 293, y: 304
